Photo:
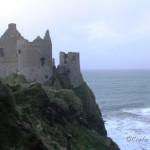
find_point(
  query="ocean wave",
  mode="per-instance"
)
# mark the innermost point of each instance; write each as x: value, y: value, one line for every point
x: 123, y: 129
x: 138, y: 111
x: 129, y: 132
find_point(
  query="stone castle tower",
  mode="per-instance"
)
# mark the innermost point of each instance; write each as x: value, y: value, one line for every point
x: 19, y: 56
x: 70, y: 63
x: 34, y: 59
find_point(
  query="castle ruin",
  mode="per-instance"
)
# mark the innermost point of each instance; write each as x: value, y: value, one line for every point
x: 71, y: 63
x: 34, y: 59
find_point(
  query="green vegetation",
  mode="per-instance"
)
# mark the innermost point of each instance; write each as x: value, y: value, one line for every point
x: 71, y: 99
x: 90, y: 140
x: 36, y: 117
x: 15, y: 79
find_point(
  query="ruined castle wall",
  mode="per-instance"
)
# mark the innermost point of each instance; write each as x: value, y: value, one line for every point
x: 71, y: 61
x: 35, y: 60
x: 31, y: 59
x: 8, y: 58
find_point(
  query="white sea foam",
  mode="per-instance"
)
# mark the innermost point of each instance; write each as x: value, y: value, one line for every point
x: 129, y: 132
x: 138, y: 111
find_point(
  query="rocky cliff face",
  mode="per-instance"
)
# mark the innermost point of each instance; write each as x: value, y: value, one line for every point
x: 50, y: 117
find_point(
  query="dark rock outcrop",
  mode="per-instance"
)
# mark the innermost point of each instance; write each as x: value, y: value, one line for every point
x: 91, y: 110
x: 36, y: 117
x: 14, y: 132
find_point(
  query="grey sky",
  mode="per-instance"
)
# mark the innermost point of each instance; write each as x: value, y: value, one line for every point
x: 109, y: 34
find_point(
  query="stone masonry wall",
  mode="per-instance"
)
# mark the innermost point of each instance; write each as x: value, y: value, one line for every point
x: 35, y: 60
x: 31, y: 59
x: 71, y: 61
x: 8, y: 57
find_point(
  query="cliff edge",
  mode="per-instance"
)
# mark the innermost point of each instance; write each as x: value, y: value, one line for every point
x: 50, y: 117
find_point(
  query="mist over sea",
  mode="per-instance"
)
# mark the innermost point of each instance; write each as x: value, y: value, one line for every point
x: 124, y: 99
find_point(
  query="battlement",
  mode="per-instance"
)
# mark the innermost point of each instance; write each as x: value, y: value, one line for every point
x: 70, y: 58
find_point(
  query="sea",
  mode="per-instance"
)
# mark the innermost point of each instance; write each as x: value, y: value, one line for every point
x: 124, y: 99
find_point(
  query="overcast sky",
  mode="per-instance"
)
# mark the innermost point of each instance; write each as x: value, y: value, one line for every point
x: 109, y: 34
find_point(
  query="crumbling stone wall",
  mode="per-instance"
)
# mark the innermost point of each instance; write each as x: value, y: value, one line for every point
x: 31, y: 59
x: 70, y: 63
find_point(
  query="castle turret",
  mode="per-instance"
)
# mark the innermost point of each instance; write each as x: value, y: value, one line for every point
x: 12, y: 26
x: 47, y: 36
x: 70, y: 63
x: 8, y: 50
x: 47, y: 39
